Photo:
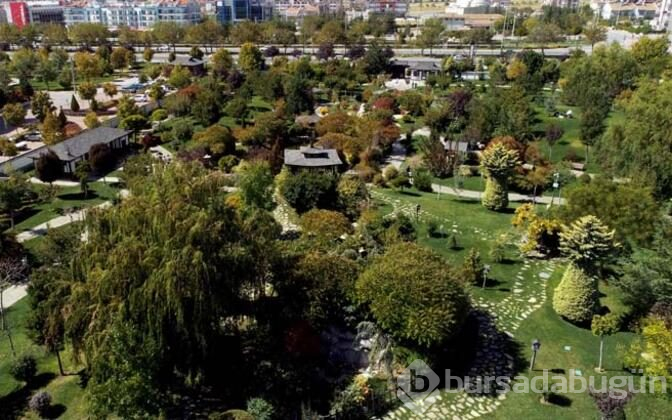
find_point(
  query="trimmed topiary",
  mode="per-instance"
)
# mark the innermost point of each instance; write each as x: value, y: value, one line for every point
x: 496, y: 196
x: 576, y: 298
x: 497, y: 163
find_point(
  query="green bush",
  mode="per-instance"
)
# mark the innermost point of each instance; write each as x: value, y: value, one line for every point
x: 433, y: 229
x: 159, y: 115
x: 495, y: 196
x: 422, y: 180
x: 260, y: 409
x: 227, y: 163
x: 24, y: 368
x: 576, y: 297
x: 472, y: 267
x: 452, y: 241
x: 389, y: 173
x: 414, y: 295
x: 307, y: 189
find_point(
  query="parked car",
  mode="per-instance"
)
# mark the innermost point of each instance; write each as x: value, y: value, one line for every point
x: 133, y: 88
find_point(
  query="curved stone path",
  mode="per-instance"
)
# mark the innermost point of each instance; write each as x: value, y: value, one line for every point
x: 498, y: 322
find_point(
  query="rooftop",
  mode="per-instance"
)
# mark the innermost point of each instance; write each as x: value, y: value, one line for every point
x: 79, y: 145
x: 312, y: 157
x: 182, y: 60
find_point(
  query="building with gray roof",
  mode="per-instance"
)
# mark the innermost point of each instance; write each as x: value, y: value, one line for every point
x: 76, y: 149
x: 312, y: 158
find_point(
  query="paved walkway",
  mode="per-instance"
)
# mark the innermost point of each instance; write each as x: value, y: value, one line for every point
x: 15, y: 293
x: 441, y: 189
x: 59, y: 221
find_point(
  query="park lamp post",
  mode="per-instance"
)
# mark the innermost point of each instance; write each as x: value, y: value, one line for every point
x: 536, y: 344
x: 556, y: 186
x: 486, y: 270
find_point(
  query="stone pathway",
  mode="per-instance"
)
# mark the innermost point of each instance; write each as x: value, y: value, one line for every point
x: 285, y: 215
x: 498, y: 322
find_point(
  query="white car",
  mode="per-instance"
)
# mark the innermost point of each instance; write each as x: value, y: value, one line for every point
x: 140, y: 98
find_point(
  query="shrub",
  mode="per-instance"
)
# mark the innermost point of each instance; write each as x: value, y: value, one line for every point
x: 307, y: 189
x: 465, y: 171
x: 260, y: 409
x: 74, y: 105
x: 422, y: 180
x: 24, y: 368
x: 352, y: 195
x: 452, y: 241
x: 472, y: 268
x: 40, y: 403
x: 378, y: 180
x: 400, y: 182
x: 414, y: 295
x: 227, y: 163
x: 498, y: 250
x: 433, y: 229
x: 325, y: 224
x: 495, y: 197
x: 576, y: 297
x: 389, y: 173
x: 159, y: 115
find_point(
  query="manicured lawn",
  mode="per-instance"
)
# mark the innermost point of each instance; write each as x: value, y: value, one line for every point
x: 554, y: 334
x: 473, y: 183
x: 66, y: 198
x: 521, y: 299
x: 65, y: 391
x: 471, y: 224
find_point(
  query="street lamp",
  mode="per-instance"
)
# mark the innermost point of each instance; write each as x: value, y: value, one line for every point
x: 536, y: 344
x: 486, y: 270
x: 556, y: 187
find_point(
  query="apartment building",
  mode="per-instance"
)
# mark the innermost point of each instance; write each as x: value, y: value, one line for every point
x: 132, y: 13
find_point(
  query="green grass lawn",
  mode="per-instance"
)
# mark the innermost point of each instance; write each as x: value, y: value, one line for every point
x: 471, y: 224
x: 476, y: 228
x: 66, y: 198
x: 66, y: 393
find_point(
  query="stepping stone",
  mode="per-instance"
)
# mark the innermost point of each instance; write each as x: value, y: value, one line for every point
x: 517, y: 290
x: 544, y: 275
x: 532, y: 300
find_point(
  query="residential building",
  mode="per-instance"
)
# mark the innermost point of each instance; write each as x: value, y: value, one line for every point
x: 663, y: 21
x: 627, y: 10
x: 16, y: 13
x: 312, y: 158
x: 76, y: 149
x: 396, y: 7
x: 139, y: 15
x: 49, y: 11
x: 232, y: 11
x: 195, y: 66
x: 567, y: 4
x: 69, y: 151
x: 461, y: 7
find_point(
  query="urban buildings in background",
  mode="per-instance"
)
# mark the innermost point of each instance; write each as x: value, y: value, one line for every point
x: 142, y: 14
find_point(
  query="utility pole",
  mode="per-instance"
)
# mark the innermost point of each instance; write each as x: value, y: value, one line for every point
x: 501, y: 45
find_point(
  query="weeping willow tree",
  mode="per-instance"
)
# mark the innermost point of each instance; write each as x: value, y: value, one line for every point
x: 153, y: 289
x: 497, y: 163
